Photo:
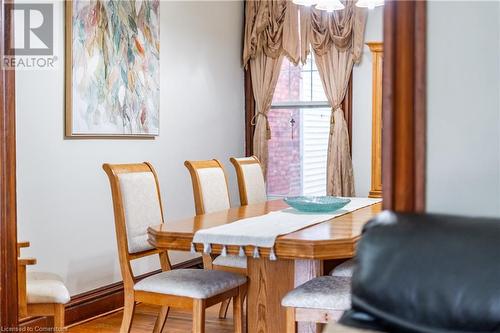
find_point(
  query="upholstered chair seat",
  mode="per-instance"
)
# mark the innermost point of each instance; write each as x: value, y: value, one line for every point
x: 193, y: 283
x: 45, y: 288
x: 231, y: 261
x: 38, y: 293
x: 345, y: 269
x: 324, y: 292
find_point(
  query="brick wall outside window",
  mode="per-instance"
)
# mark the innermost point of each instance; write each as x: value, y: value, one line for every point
x: 284, y: 168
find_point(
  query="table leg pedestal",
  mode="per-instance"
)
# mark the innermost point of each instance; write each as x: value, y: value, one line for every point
x: 269, y: 281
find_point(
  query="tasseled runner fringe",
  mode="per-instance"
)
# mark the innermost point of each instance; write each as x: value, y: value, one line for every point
x: 272, y: 255
x: 256, y: 252
x: 224, y: 251
x: 242, y: 252
x: 207, y: 249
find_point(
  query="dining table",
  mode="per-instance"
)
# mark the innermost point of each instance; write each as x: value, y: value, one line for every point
x: 299, y: 255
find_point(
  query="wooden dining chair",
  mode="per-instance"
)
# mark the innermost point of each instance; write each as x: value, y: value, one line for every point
x: 251, y: 184
x: 137, y: 205
x: 40, y: 293
x: 211, y: 194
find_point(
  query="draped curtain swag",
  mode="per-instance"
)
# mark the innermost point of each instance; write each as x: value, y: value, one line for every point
x: 271, y: 32
x: 275, y: 29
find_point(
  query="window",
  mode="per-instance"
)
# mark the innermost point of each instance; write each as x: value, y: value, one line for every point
x: 300, y: 125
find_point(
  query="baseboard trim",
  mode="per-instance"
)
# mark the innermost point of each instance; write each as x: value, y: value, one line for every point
x: 96, y: 302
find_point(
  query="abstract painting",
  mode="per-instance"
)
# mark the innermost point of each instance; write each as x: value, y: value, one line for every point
x: 112, y: 68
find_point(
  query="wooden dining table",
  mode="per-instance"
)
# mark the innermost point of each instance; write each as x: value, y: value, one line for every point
x: 300, y: 255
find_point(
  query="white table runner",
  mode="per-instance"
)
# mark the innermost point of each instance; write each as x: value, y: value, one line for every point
x: 262, y: 231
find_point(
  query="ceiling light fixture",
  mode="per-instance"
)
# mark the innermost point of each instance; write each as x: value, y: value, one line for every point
x: 330, y: 5
x: 370, y: 4
x: 306, y: 3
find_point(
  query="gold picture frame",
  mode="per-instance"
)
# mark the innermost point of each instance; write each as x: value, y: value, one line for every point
x: 149, y: 36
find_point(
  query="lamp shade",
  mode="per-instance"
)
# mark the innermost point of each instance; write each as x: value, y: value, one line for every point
x: 305, y: 2
x: 369, y: 3
x: 330, y: 5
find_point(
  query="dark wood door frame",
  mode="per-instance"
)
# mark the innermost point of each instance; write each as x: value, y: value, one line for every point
x: 8, y: 233
x: 404, y: 106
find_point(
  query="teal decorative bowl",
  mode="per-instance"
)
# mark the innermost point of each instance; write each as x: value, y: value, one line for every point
x: 317, y: 204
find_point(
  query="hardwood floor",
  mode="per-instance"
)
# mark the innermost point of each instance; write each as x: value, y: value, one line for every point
x: 145, y: 315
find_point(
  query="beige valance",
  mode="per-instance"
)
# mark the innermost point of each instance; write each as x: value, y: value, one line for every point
x: 342, y: 29
x: 279, y: 27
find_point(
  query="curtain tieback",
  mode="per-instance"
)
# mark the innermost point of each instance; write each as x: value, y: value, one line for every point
x: 332, y: 117
x: 253, y: 122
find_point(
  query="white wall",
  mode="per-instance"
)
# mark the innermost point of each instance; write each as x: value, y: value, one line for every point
x: 362, y: 106
x: 64, y: 201
x: 463, y: 109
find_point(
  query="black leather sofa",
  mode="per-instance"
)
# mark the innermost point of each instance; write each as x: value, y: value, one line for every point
x: 427, y: 273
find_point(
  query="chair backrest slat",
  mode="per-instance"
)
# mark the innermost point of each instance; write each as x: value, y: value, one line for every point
x: 210, y: 186
x: 251, y: 183
x: 137, y: 205
x: 141, y: 208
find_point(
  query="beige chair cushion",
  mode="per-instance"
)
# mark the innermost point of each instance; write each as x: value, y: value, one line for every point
x: 141, y: 206
x: 324, y: 292
x: 231, y: 261
x: 213, y: 189
x: 345, y: 269
x: 45, y: 288
x: 254, y: 183
x: 194, y: 283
